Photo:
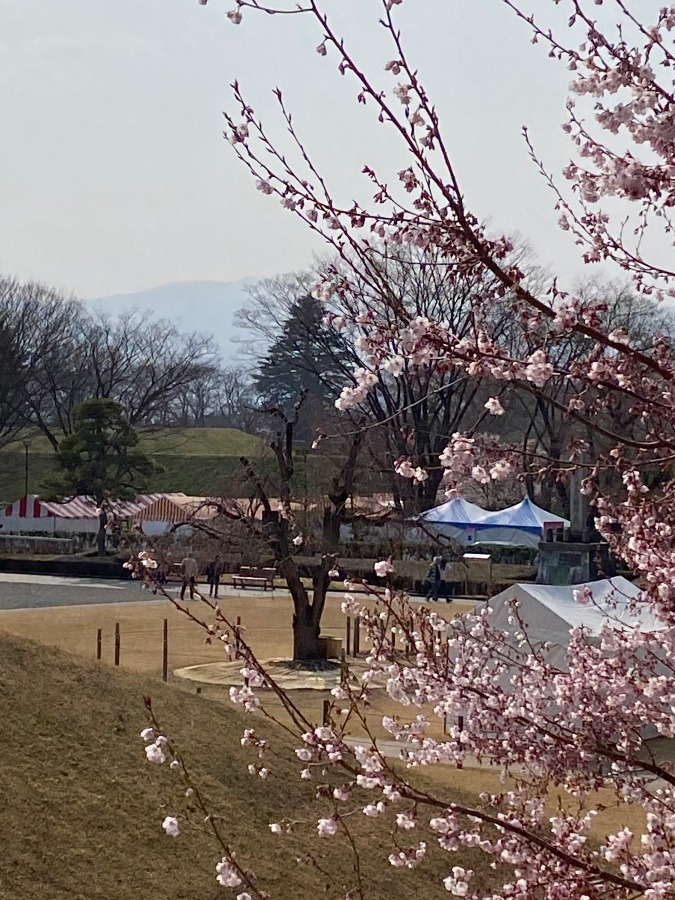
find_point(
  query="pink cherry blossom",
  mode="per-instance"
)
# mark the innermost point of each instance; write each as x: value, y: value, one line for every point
x: 494, y: 407
x: 548, y: 721
x: 383, y: 568
x: 264, y: 186
x: 327, y: 827
x: 226, y: 874
x: 171, y: 826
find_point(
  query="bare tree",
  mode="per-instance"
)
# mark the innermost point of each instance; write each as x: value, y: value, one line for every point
x: 68, y: 356
x: 222, y: 397
x: 548, y: 431
x: 46, y: 328
x: 415, y: 408
x: 12, y: 375
x: 146, y: 364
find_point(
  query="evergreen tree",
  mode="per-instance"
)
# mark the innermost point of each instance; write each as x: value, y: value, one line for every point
x: 304, y: 359
x: 101, y: 459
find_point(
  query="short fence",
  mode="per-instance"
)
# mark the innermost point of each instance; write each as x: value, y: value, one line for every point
x: 350, y: 651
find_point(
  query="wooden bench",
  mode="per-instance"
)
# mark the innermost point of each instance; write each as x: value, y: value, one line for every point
x: 254, y: 577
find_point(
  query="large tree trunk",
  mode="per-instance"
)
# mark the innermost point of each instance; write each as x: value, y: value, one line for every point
x: 306, y: 644
x: 306, y: 613
x: 332, y: 520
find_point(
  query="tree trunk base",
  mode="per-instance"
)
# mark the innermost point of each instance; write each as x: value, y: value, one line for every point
x: 308, y: 665
x: 307, y: 645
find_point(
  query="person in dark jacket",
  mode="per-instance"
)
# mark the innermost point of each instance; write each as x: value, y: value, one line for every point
x: 435, y: 578
x: 213, y: 572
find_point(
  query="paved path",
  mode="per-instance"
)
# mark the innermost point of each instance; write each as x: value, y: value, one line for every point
x: 40, y: 591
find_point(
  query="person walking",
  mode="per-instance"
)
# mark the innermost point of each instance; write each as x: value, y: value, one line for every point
x: 213, y: 572
x: 189, y: 570
x: 435, y: 578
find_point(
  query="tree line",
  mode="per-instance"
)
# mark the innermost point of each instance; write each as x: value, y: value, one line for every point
x: 55, y: 354
x: 300, y: 344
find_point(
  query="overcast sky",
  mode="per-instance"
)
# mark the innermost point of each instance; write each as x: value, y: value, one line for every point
x: 114, y: 175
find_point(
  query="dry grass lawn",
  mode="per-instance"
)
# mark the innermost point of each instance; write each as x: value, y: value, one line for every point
x: 81, y: 808
x: 267, y: 620
x: 84, y: 808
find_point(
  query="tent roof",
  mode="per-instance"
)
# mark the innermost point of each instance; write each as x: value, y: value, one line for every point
x: 174, y: 508
x: 455, y: 512
x: 27, y: 507
x: 79, y: 507
x: 551, y: 611
x: 525, y: 514
x: 85, y: 508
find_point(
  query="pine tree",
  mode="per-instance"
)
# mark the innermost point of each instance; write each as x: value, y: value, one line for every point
x: 304, y: 359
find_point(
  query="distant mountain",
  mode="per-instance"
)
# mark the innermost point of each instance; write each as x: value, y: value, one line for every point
x: 206, y: 306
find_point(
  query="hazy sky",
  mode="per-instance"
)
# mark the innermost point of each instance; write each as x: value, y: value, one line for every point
x: 114, y: 175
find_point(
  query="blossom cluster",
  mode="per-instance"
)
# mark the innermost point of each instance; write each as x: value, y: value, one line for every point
x: 548, y: 725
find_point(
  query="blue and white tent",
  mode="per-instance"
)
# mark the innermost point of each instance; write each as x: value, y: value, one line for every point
x: 452, y: 519
x: 522, y: 525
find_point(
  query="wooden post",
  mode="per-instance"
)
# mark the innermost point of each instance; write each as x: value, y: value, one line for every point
x: 99, y: 642
x: 237, y: 629
x: 343, y: 665
x: 165, y: 651
x: 326, y: 712
x: 348, y: 633
x: 117, y: 643
x: 357, y: 636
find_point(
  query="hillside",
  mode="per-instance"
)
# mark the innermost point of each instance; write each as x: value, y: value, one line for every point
x: 82, y: 809
x: 193, y: 460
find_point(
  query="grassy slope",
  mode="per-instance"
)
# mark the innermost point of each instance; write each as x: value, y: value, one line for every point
x: 82, y: 809
x: 193, y: 460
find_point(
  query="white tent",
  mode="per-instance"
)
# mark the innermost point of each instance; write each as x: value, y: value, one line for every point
x: 453, y: 519
x: 522, y: 525
x: 551, y: 612
x: 79, y: 515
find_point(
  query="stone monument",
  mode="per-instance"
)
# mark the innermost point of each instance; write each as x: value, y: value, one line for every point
x: 582, y: 555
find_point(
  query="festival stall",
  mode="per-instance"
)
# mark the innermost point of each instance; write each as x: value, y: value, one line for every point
x: 165, y: 511
x: 79, y: 515
x: 551, y: 612
x: 522, y: 525
x: 30, y: 515
x: 454, y: 520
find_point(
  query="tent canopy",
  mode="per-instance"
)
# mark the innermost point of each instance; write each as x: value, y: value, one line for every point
x: 525, y: 515
x: 28, y: 507
x: 551, y: 612
x: 453, y: 520
x: 455, y: 512
x: 32, y: 507
x: 522, y: 525
x: 174, y: 508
